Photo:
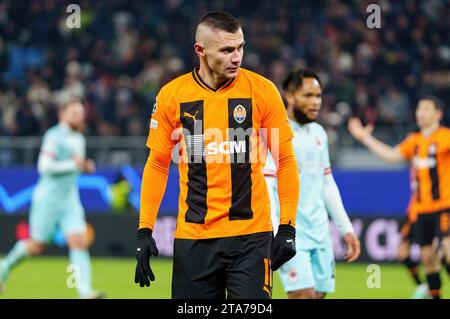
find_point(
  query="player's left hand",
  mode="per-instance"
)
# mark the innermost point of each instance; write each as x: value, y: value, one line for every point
x: 146, y: 247
x: 283, y: 246
x: 89, y: 166
x: 353, y: 247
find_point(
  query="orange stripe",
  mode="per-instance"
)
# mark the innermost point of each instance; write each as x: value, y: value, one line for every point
x: 266, y: 271
x: 435, y: 292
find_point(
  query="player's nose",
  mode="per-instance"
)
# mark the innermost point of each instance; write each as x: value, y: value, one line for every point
x: 236, y: 58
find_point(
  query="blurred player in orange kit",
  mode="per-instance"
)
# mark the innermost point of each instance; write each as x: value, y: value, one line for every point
x: 429, y: 153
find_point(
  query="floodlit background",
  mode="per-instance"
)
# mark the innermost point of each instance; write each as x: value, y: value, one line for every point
x: 124, y: 51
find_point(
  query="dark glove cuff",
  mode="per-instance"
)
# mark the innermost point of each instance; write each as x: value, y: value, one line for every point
x: 285, y: 228
x: 144, y: 232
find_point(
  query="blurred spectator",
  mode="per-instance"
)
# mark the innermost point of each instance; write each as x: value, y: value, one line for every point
x: 126, y: 50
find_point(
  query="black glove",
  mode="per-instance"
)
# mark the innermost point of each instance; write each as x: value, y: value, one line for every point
x: 146, y: 247
x: 283, y: 246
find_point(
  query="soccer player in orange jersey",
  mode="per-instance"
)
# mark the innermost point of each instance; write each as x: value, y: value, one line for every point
x: 221, y: 115
x: 429, y: 153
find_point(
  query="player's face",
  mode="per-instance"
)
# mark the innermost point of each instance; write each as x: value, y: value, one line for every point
x: 73, y: 115
x: 427, y: 114
x: 224, y: 52
x: 307, y: 101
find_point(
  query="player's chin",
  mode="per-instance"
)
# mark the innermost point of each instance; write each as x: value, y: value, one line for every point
x: 231, y: 73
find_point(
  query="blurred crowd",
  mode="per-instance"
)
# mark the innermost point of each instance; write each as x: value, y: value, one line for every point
x: 126, y: 50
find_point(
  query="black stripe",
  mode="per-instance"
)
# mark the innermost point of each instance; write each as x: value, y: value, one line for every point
x: 416, y: 173
x: 434, y: 176
x: 239, y: 129
x: 197, y: 179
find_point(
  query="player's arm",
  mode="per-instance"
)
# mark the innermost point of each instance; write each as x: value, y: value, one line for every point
x: 48, y: 162
x: 279, y: 140
x: 364, y: 135
x: 288, y: 193
x: 154, y: 181
x: 335, y: 207
x: 288, y: 182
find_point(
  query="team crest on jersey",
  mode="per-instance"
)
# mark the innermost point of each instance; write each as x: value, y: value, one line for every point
x: 319, y: 144
x: 154, y: 108
x: 292, y: 275
x: 239, y: 114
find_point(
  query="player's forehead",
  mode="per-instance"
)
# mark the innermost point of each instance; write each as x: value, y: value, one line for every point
x: 310, y: 85
x: 222, y: 39
x: 74, y: 107
x: 425, y: 104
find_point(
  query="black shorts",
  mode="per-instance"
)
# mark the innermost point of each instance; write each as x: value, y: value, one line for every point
x: 432, y: 225
x: 408, y: 230
x: 232, y: 267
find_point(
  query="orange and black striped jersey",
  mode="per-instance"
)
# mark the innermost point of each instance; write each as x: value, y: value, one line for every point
x: 221, y: 151
x: 430, y: 160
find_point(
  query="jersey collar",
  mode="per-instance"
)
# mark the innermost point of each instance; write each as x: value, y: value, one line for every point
x: 205, y: 86
x: 66, y: 128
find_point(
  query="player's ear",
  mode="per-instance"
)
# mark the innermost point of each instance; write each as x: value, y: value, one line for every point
x: 199, y: 49
x: 440, y: 115
x: 289, y: 98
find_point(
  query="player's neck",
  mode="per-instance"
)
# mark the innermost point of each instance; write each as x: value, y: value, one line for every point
x: 65, y: 125
x: 427, y: 131
x: 210, y: 78
x: 290, y: 113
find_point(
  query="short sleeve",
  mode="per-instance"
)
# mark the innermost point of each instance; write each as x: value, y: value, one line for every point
x: 406, y: 147
x: 274, y: 117
x: 161, y: 127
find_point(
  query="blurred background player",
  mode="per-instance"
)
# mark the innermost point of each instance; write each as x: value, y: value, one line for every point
x: 310, y: 273
x: 429, y: 153
x: 56, y: 201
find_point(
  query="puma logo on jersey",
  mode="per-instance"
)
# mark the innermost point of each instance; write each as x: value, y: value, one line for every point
x: 226, y: 147
x: 186, y: 114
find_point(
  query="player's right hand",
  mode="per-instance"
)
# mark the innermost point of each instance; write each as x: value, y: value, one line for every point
x: 146, y: 247
x: 357, y: 130
x: 79, y: 161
